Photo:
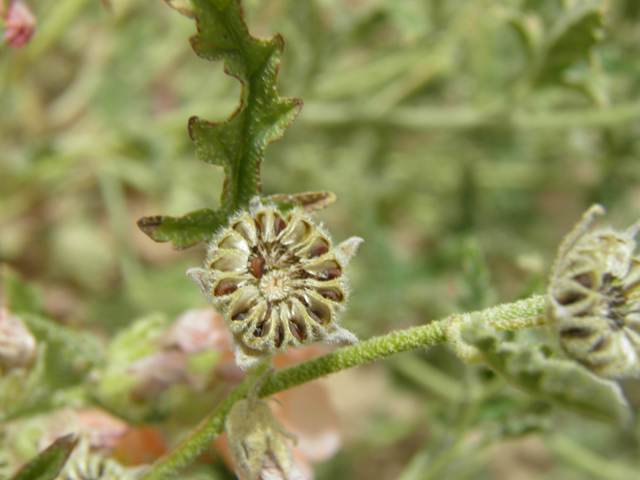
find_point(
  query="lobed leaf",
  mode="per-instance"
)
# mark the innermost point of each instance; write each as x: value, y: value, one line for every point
x: 562, y: 382
x: 48, y: 464
x: 570, y: 40
x: 237, y: 144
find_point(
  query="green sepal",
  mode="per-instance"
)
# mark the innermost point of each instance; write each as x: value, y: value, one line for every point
x: 237, y: 144
x: 562, y: 382
x: 48, y: 464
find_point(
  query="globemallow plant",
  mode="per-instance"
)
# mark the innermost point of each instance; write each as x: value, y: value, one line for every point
x: 272, y: 271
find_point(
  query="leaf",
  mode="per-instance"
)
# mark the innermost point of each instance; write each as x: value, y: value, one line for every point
x: 48, y: 464
x: 70, y: 354
x: 527, y: 29
x: 237, y: 144
x: 310, y: 201
x: 562, y: 382
x: 183, y: 231
x: 570, y: 40
x: 17, y: 295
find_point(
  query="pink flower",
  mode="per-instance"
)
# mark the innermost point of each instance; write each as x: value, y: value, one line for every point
x: 17, y: 345
x: 157, y: 372
x: 20, y: 24
x: 198, y: 330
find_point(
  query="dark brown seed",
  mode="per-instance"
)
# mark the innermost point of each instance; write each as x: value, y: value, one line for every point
x: 584, y: 279
x: 265, y: 327
x: 258, y: 227
x: 262, y: 329
x: 567, y: 298
x: 279, y: 225
x: 225, y: 288
x: 331, y: 295
x: 319, y: 249
x: 332, y: 273
x: 576, y: 332
x: 296, y: 331
x: 257, y: 267
x: 239, y: 316
x: 279, y: 336
x: 267, y: 315
x: 258, y: 330
x: 315, y: 316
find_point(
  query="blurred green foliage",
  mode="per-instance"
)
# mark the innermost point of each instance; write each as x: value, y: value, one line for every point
x: 463, y: 139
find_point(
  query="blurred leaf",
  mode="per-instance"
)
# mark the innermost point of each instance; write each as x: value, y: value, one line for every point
x: 22, y: 391
x: 70, y: 354
x: 47, y: 465
x: 527, y: 29
x: 570, y: 40
x: 237, y: 144
x: 117, y: 380
x: 562, y: 382
x: 17, y: 295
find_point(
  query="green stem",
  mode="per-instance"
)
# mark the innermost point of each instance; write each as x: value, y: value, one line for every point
x: 368, y: 351
x: 589, y: 461
x: 443, y: 118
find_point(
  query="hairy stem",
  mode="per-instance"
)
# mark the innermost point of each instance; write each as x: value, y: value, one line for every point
x: 368, y: 351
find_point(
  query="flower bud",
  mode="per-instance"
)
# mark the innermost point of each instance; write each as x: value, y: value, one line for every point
x: 255, y: 440
x: 17, y: 345
x: 20, y: 24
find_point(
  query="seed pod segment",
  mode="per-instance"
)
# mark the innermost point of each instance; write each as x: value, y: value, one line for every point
x: 594, y: 298
x: 278, y: 281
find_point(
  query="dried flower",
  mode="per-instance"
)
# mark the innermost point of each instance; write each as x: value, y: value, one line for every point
x: 255, y: 441
x: 594, y: 298
x: 306, y: 411
x: 277, y: 281
x: 20, y: 24
x: 17, y: 345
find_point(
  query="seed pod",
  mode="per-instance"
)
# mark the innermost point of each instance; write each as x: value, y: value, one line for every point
x: 594, y: 298
x: 278, y: 282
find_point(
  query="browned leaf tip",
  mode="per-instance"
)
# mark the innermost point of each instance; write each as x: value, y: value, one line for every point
x: 310, y: 201
x: 149, y: 224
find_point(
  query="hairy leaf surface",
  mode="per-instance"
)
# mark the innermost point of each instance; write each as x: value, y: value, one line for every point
x: 237, y: 144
